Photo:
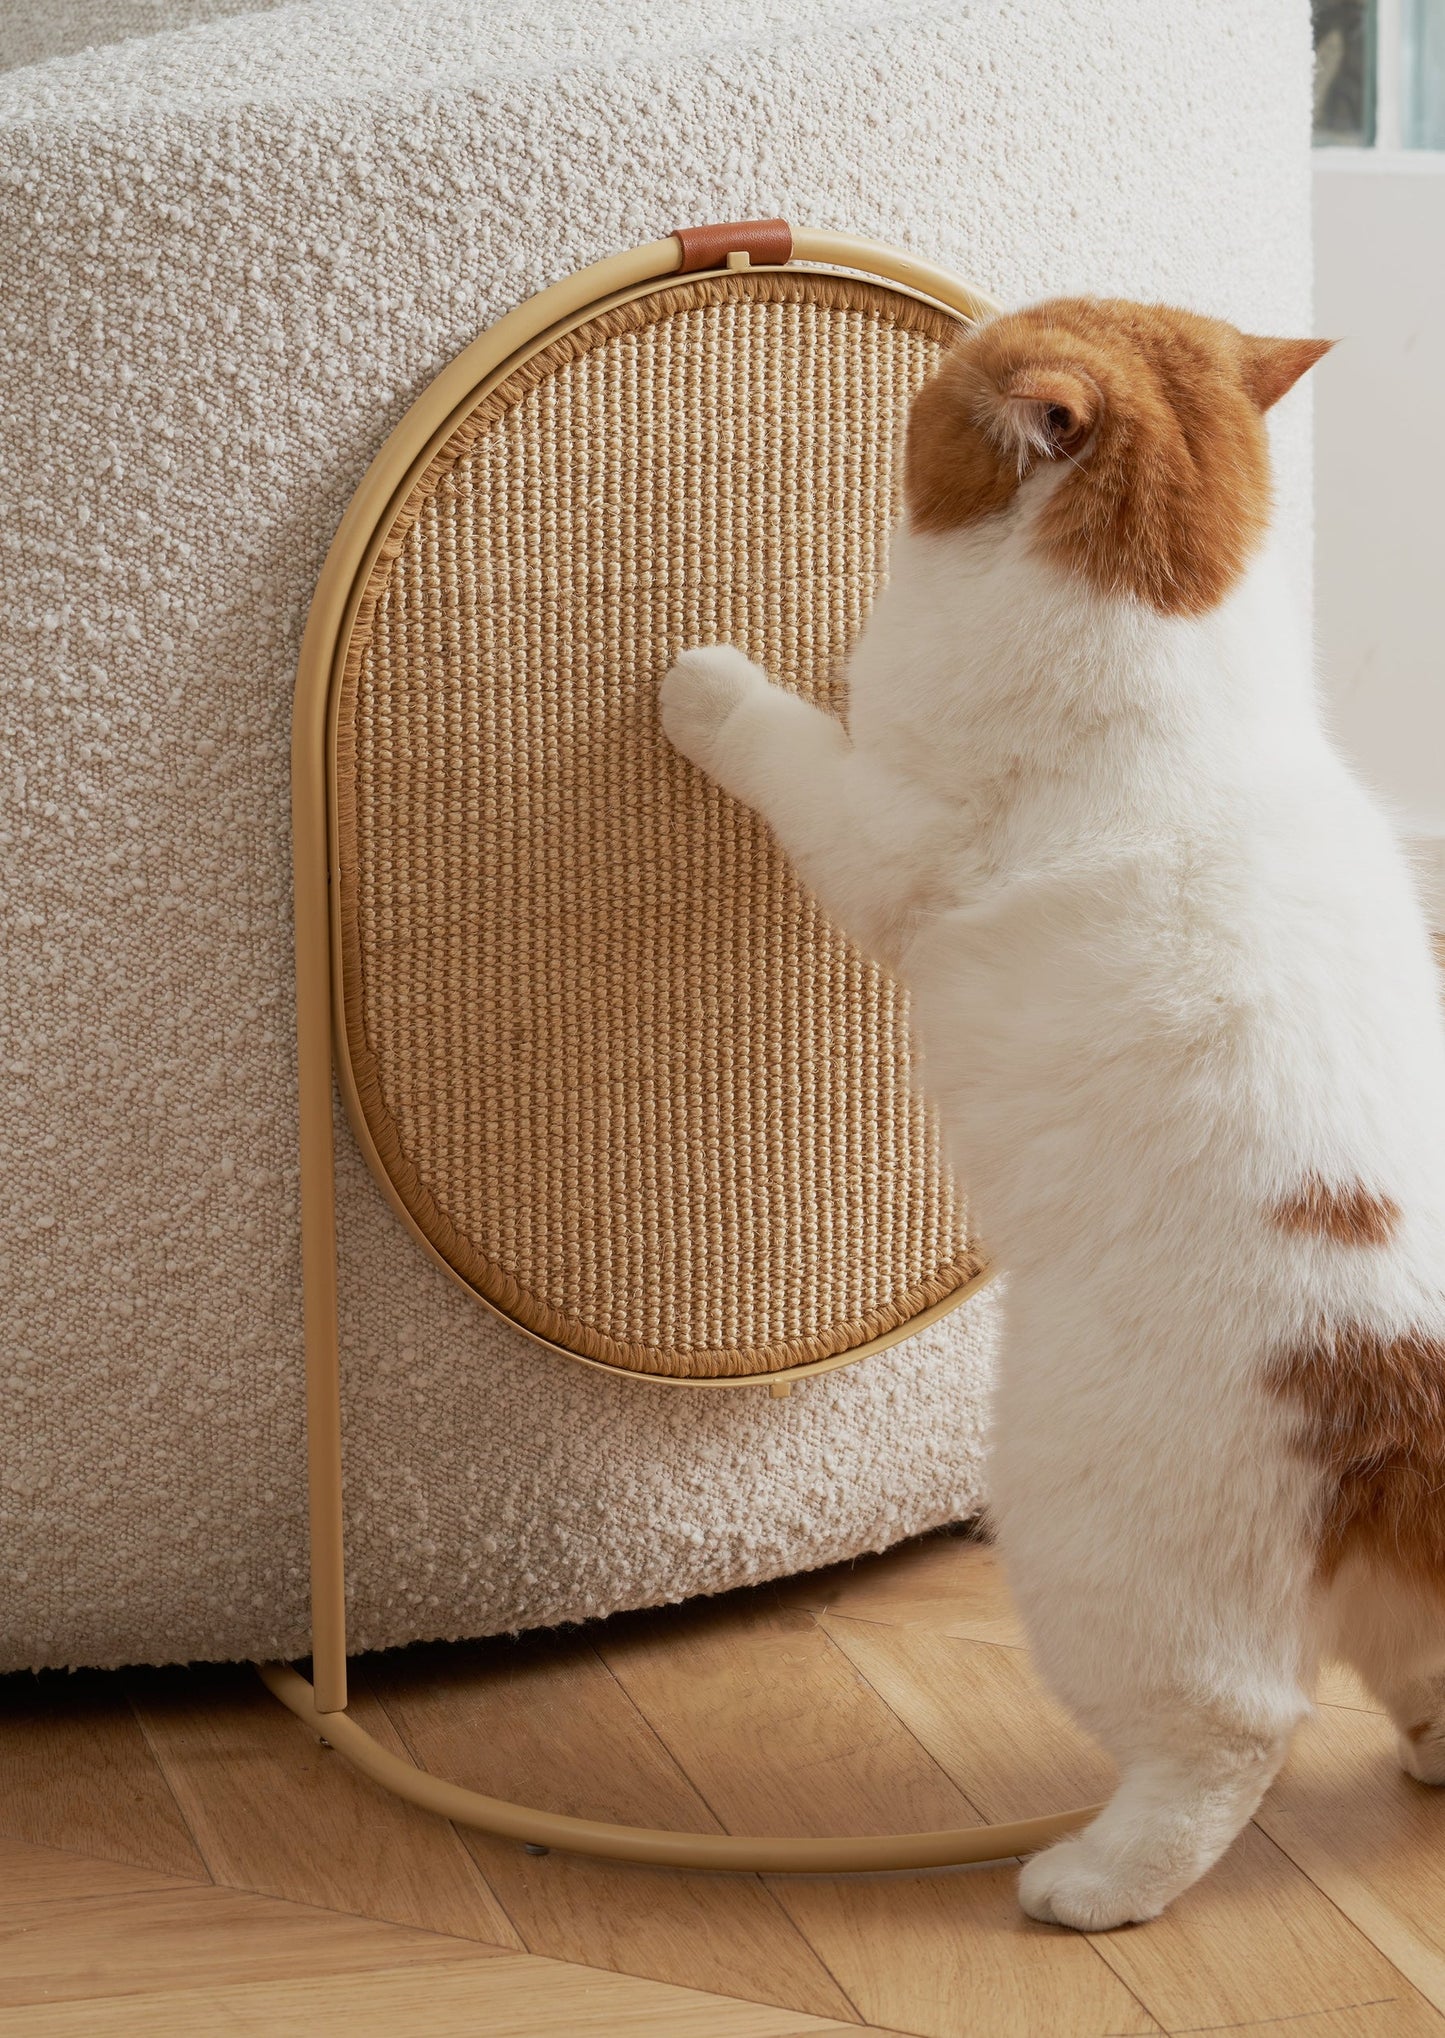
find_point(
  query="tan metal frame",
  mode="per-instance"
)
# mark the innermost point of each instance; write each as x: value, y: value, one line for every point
x: 323, y: 1050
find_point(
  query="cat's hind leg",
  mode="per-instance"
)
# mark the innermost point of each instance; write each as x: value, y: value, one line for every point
x: 1192, y: 1776
x: 1390, y: 1628
x: 1166, y: 1596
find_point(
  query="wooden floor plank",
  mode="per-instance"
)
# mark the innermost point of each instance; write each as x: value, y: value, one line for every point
x: 1389, y: 2017
x: 31, y: 1874
x: 272, y: 1810
x: 157, y: 1942
x: 1254, y: 1942
x: 951, y: 1583
x: 780, y: 1734
x: 980, y: 1712
x: 75, y: 1772
x: 510, y: 1996
x: 889, y: 1693
x: 1369, y: 1836
x: 542, y: 1722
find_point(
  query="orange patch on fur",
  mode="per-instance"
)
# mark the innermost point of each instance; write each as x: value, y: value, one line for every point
x: 952, y: 474
x: 1353, y: 1216
x: 1372, y: 1414
x: 1157, y: 413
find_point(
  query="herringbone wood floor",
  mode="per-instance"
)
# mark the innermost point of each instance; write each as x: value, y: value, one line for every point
x: 178, y: 1856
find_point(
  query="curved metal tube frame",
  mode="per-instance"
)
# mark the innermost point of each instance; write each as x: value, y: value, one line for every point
x: 738, y: 1853
x: 322, y: 1053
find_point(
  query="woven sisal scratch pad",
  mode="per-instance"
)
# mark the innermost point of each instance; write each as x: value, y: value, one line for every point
x: 622, y: 1076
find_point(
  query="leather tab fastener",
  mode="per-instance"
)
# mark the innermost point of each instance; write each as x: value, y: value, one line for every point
x: 708, y: 247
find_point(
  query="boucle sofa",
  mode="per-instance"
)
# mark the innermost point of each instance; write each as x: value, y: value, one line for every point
x: 234, y: 243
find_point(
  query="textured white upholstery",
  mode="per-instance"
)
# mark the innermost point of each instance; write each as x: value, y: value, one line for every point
x: 230, y: 254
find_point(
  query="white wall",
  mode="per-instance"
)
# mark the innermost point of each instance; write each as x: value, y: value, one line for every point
x: 1379, y: 458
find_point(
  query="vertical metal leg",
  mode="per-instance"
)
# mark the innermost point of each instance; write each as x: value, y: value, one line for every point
x: 323, y: 1429
x: 318, y: 1220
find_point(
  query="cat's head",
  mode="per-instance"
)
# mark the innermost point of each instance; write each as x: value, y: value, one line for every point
x: 1137, y: 429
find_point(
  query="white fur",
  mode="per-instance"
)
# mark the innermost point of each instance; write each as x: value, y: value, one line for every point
x: 1165, y: 961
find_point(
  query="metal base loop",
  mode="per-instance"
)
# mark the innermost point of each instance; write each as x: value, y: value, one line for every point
x: 742, y: 1854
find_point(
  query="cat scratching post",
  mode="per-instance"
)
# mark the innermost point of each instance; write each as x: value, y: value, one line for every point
x: 607, y: 1063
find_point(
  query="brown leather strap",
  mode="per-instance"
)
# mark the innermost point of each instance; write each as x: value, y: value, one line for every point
x: 708, y: 247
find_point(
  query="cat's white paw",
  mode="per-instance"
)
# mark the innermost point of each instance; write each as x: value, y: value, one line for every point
x: 1075, y: 1884
x: 1422, y: 1753
x: 700, y: 693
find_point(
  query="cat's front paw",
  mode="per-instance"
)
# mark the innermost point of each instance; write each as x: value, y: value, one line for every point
x: 699, y: 696
x: 1076, y: 1884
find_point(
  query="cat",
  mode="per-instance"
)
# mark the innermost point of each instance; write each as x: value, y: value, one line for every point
x: 1175, y: 1001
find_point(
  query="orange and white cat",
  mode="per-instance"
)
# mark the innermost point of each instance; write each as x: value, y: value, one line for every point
x: 1176, y: 1003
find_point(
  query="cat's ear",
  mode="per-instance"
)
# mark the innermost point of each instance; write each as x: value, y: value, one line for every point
x: 1045, y: 413
x: 1271, y: 367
